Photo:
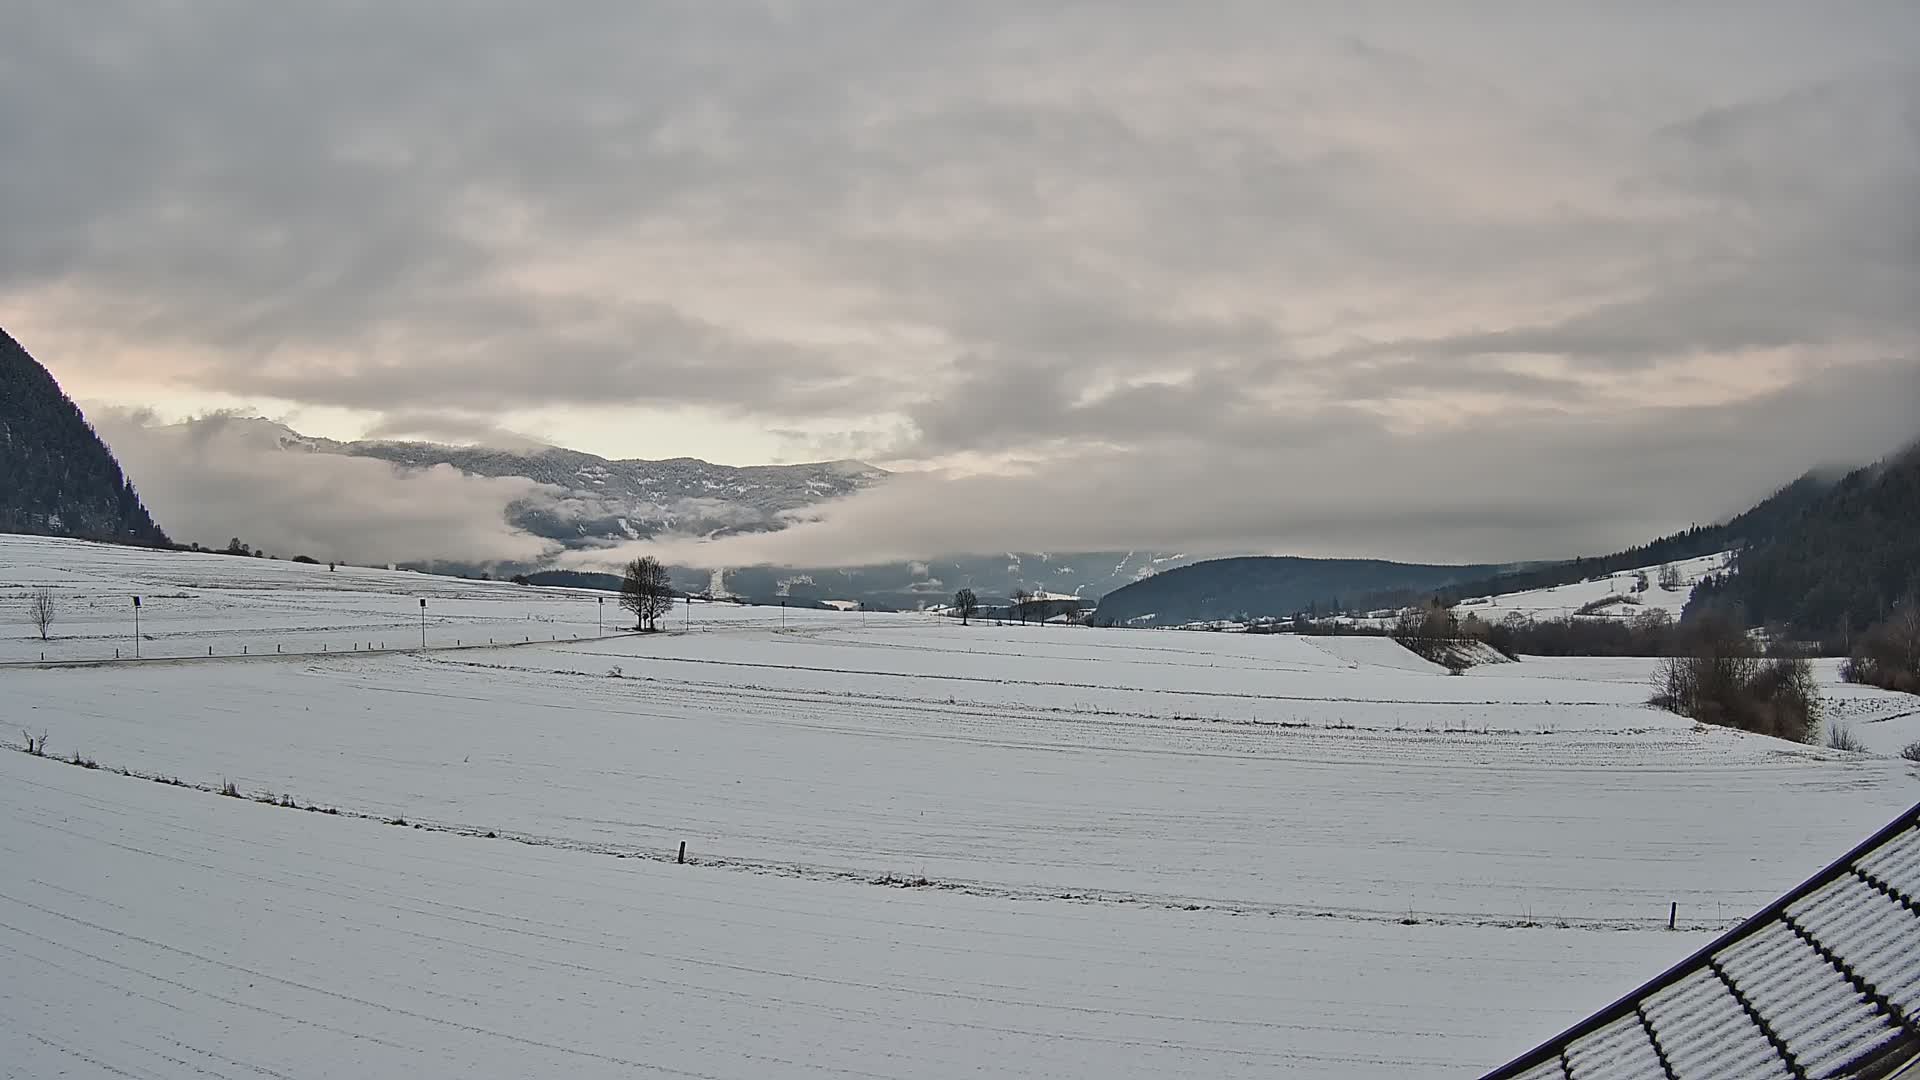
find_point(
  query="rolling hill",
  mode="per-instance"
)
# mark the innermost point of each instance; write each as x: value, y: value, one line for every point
x: 1267, y: 587
x: 1837, y: 564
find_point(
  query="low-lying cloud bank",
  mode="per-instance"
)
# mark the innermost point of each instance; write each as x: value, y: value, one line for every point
x: 1536, y: 486
x: 217, y: 477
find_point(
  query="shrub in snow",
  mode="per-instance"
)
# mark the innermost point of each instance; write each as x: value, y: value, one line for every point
x: 1888, y: 655
x: 1720, y: 680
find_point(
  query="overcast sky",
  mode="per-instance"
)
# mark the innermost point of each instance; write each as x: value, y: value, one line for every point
x: 1445, y: 281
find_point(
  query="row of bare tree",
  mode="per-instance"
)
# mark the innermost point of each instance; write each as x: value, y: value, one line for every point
x: 966, y: 604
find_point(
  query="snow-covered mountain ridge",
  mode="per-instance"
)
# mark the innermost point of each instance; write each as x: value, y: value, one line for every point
x: 610, y: 500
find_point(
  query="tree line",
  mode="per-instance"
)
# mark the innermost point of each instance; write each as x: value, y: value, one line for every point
x: 1838, y: 568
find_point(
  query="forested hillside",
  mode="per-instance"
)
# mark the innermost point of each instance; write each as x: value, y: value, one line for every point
x: 1766, y: 517
x: 1828, y: 555
x: 1268, y: 586
x: 1837, y: 565
x: 56, y: 477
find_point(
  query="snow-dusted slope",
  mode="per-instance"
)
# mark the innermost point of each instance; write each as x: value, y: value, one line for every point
x: 1620, y: 588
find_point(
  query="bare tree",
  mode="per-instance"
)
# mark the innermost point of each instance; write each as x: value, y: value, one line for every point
x: 1021, y: 598
x: 966, y: 604
x: 1670, y: 577
x: 40, y: 609
x: 1718, y: 677
x: 647, y: 592
x: 1888, y: 654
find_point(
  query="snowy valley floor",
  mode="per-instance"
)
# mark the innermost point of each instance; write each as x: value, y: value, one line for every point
x: 151, y: 931
x: 915, y: 849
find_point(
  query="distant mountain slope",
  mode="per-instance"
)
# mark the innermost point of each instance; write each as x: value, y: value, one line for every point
x: 1620, y: 595
x: 609, y: 500
x: 1267, y: 586
x: 1837, y: 564
x: 1696, y: 542
x: 603, y: 501
x: 56, y: 477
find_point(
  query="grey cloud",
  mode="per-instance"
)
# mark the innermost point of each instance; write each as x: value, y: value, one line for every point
x: 1804, y: 231
x: 639, y: 355
x: 1086, y: 236
x: 1011, y: 403
x: 211, y: 477
x: 453, y: 428
x: 1462, y: 493
x: 1381, y: 379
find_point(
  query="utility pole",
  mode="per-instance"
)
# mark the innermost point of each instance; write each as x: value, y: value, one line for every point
x: 423, y: 622
x: 602, y: 608
x: 689, y: 610
x: 783, y: 613
x: 136, y: 628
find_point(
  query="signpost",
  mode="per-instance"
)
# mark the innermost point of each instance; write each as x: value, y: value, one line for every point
x: 423, y: 622
x: 136, y: 628
x: 602, y: 608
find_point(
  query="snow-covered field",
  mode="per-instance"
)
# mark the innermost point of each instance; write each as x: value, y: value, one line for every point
x: 1885, y: 723
x: 915, y: 848
x: 193, y: 602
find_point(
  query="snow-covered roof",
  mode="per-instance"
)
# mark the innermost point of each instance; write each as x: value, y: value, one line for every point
x: 1822, y: 985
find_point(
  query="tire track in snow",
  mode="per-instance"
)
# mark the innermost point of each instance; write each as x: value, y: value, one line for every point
x: 995, y: 890
x: 1055, y: 684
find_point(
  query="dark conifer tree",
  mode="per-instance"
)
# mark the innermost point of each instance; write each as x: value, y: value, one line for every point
x: 56, y: 477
